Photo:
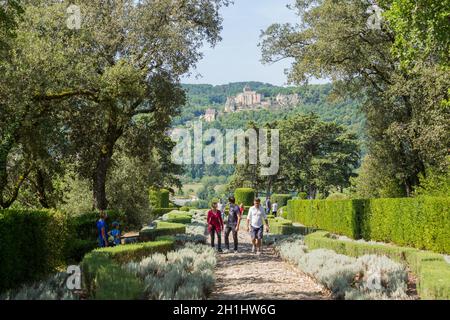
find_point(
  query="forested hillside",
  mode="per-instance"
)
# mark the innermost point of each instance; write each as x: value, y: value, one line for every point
x: 313, y: 99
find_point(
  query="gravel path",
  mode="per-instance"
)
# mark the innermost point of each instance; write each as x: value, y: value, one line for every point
x: 246, y: 276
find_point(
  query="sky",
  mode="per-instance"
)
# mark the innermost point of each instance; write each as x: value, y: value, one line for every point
x: 237, y: 58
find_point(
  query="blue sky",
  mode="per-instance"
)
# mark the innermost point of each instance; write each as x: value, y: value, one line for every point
x: 237, y: 57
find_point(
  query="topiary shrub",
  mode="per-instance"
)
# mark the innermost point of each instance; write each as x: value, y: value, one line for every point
x: 159, y: 198
x: 184, y: 209
x: 162, y: 228
x: 302, y: 195
x: 281, y: 199
x: 158, y: 212
x: 178, y: 218
x: 245, y: 196
x: 32, y: 245
x: 104, y: 278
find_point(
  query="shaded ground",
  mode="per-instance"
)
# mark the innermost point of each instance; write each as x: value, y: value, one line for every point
x: 246, y: 276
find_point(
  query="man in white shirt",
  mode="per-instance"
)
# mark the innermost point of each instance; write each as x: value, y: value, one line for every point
x: 255, y: 224
x: 275, y: 208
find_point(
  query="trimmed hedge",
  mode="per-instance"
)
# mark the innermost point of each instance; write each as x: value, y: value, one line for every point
x: 285, y: 227
x: 163, y: 228
x: 245, y: 196
x: 179, y: 218
x: 432, y: 271
x: 284, y: 212
x: 105, y: 279
x: 281, y: 199
x: 83, y: 234
x: 338, y: 216
x: 32, y: 245
x: 422, y: 222
x: 158, y: 212
x: 84, y: 226
x: 159, y: 198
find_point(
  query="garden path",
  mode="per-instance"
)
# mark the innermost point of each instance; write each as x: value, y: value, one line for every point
x: 247, y: 276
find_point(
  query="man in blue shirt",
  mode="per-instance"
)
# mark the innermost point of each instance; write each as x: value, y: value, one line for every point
x: 102, y: 230
x: 233, y: 222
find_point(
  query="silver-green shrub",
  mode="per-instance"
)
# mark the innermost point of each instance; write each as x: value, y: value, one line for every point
x: 366, y: 277
x: 52, y: 288
x: 186, y: 274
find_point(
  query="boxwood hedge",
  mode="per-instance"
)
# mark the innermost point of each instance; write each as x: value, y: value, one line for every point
x: 32, y: 245
x: 245, y: 196
x: 422, y: 222
x: 162, y: 228
x: 105, y: 279
x: 280, y: 199
x: 159, y: 198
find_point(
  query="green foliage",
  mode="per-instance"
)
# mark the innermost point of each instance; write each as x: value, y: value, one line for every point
x: 162, y: 228
x: 348, y: 277
x: 84, y: 226
x: 432, y: 271
x: 435, y: 183
x: 422, y: 222
x: 245, y: 196
x: 32, y: 245
x: 373, y: 182
x: 417, y: 222
x: 302, y: 195
x: 158, y: 212
x: 281, y: 199
x: 186, y: 274
x: 184, y: 209
x: 422, y: 30
x: 405, y: 108
x: 103, y: 276
x: 339, y: 216
x: 159, y: 198
x: 281, y: 226
x: 178, y: 218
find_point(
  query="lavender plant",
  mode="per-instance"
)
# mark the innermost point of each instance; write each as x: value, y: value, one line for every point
x: 366, y: 277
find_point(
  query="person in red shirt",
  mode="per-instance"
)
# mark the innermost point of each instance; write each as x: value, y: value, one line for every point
x: 215, y: 226
x: 241, y: 208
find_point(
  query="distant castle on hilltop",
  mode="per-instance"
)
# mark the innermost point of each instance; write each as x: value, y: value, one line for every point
x: 251, y: 100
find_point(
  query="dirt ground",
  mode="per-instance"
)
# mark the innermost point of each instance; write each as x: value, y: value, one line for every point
x: 246, y: 276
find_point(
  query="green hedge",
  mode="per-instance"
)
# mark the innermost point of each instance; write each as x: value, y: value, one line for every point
x: 159, y: 198
x: 84, y: 226
x: 83, y: 234
x: 184, y: 209
x: 32, y: 245
x: 179, y: 218
x: 422, y: 222
x: 302, y: 195
x: 284, y: 212
x: 105, y: 279
x: 283, y: 226
x: 158, y: 212
x: 432, y: 271
x: 338, y: 216
x: 245, y: 196
x: 162, y: 229
x: 281, y: 199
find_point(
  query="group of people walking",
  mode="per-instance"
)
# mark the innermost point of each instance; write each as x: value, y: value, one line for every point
x: 255, y: 223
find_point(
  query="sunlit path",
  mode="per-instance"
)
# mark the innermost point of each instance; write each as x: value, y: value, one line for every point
x: 245, y: 276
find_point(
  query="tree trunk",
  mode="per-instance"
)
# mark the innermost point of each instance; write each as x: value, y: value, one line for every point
x: 103, y: 163
x: 40, y: 188
x: 99, y: 183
